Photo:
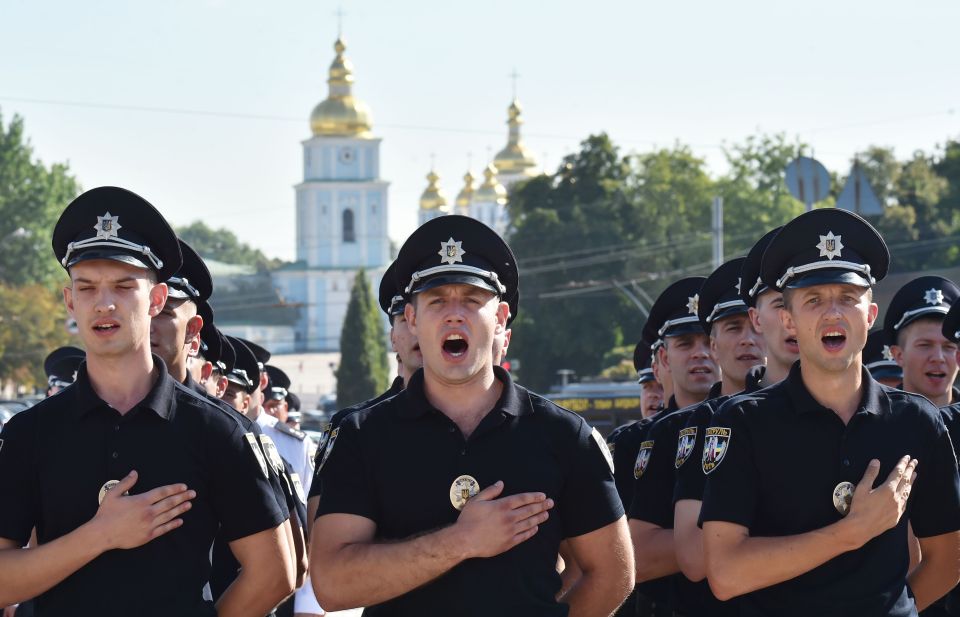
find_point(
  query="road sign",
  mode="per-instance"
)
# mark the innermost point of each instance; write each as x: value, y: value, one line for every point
x: 857, y: 195
x: 808, y: 180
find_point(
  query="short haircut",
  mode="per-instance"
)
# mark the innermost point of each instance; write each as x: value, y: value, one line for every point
x: 929, y: 318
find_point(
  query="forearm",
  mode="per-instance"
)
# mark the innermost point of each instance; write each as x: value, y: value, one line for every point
x: 595, y: 595
x: 688, y: 545
x: 931, y: 580
x: 363, y: 574
x: 254, y: 593
x: 26, y: 573
x: 653, y: 550
x: 755, y: 563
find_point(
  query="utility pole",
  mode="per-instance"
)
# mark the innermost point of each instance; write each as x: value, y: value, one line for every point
x: 717, y: 232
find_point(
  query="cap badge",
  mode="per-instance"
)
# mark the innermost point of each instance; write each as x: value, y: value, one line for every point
x: 462, y: 489
x: 933, y: 297
x: 107, y: 226
x: 830, y: 245
x: 843, y: 497
x: 693, y: 304
x: 887, y: 354
x: 451, y: 252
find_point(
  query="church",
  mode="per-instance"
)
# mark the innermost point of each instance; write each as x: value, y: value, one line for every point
x: 342, y: 213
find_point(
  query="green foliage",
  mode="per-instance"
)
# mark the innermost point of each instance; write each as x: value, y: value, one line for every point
x: 363, y: 372
x: 32, y: 323
x: 32, y: 197
x: 223, y: 245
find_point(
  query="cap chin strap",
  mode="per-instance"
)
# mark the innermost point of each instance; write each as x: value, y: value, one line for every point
x: 644, y: 372
x: 184, y: 284
x: 676, y: 322
x: 239, y: 373
x: 882, y: 363
x: 920, y: 311
x: 722, y: 307
x: 488, y: 275
x: 791, y: 272
x: 756, y: 288
x: 282, y: 391
x: 117, y: 243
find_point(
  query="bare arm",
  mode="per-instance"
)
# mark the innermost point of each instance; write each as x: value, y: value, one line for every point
x: 312, y: 504
x: 605, y: 558
x: 266, y: 576
x: 939, y: 569
x: 653, y: 546
x: 571, y: 572
x: 349, y: 569
x: 121, y: 522
x: 738, y: 564
x: 297, y: 546
x: 688, y: 539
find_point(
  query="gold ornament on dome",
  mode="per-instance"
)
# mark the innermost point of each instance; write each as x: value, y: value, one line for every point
x: 341, y: 114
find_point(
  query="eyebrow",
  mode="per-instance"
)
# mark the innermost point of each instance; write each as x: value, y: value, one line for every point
x: 125, y: 279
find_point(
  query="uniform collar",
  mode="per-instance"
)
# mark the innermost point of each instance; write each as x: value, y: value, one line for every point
x: 510, y: 401
x: 754, y: 378
x: 265, y: 419
x: 872, y: 401
x: 160, y: 398
x: 671, y: 405
x: 191, y: 384
x: 715, y: 390
x: 396, y: 387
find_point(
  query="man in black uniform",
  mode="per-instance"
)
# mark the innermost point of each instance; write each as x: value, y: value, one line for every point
x: 651, y: 390
x: 61, y: 366
x: 453, y: 496
x: 951, y: 417
x: 913, y: 325
x: 791, y: 517
x: 879, y: 360
x: 102, y: 470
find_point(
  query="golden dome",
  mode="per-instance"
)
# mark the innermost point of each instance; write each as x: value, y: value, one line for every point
x: 433, y: 197
x: 341, y: 114
x: 491, y: 190
x: 466, y: 193
x: 514, y: 158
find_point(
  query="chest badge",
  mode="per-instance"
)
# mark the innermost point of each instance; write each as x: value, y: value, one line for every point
x: 462, y: 489
x: 106, y: 488
x: 716, y: 442
x: 688, y: 437
x: 643, y: 458
x: 843, y: 497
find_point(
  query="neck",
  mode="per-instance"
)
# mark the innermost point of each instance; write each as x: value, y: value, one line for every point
x: 178, y: 369
x: 731, y: 386
x: 122, y: 382
x: 941, y: 400
x: 840, y: 391
x: 465, y: 403
x: 775, y: 372
x: 685, y: 399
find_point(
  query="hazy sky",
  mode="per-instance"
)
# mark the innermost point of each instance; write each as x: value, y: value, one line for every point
x: 239, y: 80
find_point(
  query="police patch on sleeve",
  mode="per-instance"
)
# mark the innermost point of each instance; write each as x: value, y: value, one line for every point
x: 603, y: 448
x: 716, y: 442
x: 322, y: 443
x: 688, y: 437
x: 298, y: 487
x: 273, y: 455
x: 643, y: 458
x: 254, y: 447
x: 329, y: 448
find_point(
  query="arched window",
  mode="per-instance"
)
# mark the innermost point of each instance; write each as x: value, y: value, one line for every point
x: 349, y: 235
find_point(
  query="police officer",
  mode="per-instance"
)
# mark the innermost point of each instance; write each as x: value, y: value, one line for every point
x: 453, y: 495
x: 951, y: 417
x: 913, y: 325
x: 61, y: 366
x: 214, y: 357
x: 879, y: 360
x: 651, y: 391
x: 129, y: 472
x: 276, y: 393
x: 791, y: 516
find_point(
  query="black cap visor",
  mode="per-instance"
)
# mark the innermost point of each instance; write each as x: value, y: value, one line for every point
x: 456, y: 278
x: 830, y: 276
x: 693, y: 327
x: 886, y: 372
x: 111, y: 254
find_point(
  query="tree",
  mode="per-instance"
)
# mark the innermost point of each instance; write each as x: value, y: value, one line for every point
x: 32, y: 197
x: 223, y: 245
x: 32, y: 324
x: 363, y: 370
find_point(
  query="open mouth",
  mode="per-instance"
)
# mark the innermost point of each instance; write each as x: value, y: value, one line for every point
x: 701, y: 370
x: 455, y: 345
x: 105, y: 327
x: 792, y: 345
x: 833, y: 340
x: 936, y: 375
x: 748, y: 357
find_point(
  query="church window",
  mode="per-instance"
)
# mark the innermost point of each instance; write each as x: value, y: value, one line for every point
x: 349, y: 235
x: 373, y: 208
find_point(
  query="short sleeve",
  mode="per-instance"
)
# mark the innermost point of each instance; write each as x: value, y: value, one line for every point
x: 242, y: 493
x: 624, y: 452
x: 347, y: 487
x: 690, y: 479
x: 727, y: 460
x: 18, y: 484
x: 936, y: 493
x: 589, y: 499
x: 653, y: 490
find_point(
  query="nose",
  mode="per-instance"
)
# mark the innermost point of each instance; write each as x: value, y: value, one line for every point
x: 105, y: 303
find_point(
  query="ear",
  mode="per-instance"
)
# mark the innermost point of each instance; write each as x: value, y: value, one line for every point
x: 245, y: 401
x: 503, y: 313
x: 755, y: 319
x: 393, y: 339
x: 68, y: 300
x: 872, y: 311
x: 221, y: 386
x: 508, y: 334
x: 264, y: 379
x: 205, y: 371
x: 158, y: 298
x: 787, y: 320
x: 410, y: 314
x: 897, y: 352
x: 662, y: 356
x: 192, y: 336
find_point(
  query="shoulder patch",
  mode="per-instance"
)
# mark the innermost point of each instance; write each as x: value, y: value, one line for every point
x: 643, y: 458
x: 254, y: 446
x: 328, y: 449
x: 685, y: 442
x: 273, y: 455
x: 716, y: 442
x: 603, y: 448
x: 298, y: 487
x: 286, y: 429
x: 322, y: 443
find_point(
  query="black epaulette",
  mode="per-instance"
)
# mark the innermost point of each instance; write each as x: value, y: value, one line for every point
x: 286, y: 429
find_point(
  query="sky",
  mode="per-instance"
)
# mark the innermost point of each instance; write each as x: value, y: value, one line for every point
x: 200, y: 106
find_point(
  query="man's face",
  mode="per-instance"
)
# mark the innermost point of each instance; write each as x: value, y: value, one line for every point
x: 256, y: 398
x: 691, y: 366
x: 175, y: 332
x: 651, y: 398
x: 736, y: 346
x: 405, y: 344
x: 928, y: 359
x: 501, y: 343
x: 276, y: 408
x: 830, y: 323
x: 236, y: 397
x: 212, y: 381
x: 113, y: 304
x: 662, y: 375
x: 456, y: 326
x: 779, y: 344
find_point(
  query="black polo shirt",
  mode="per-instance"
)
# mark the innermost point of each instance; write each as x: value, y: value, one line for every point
x: 785, y: 455
x: 951, y: 417
x: 57, y: 455
x: 395, y: 464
